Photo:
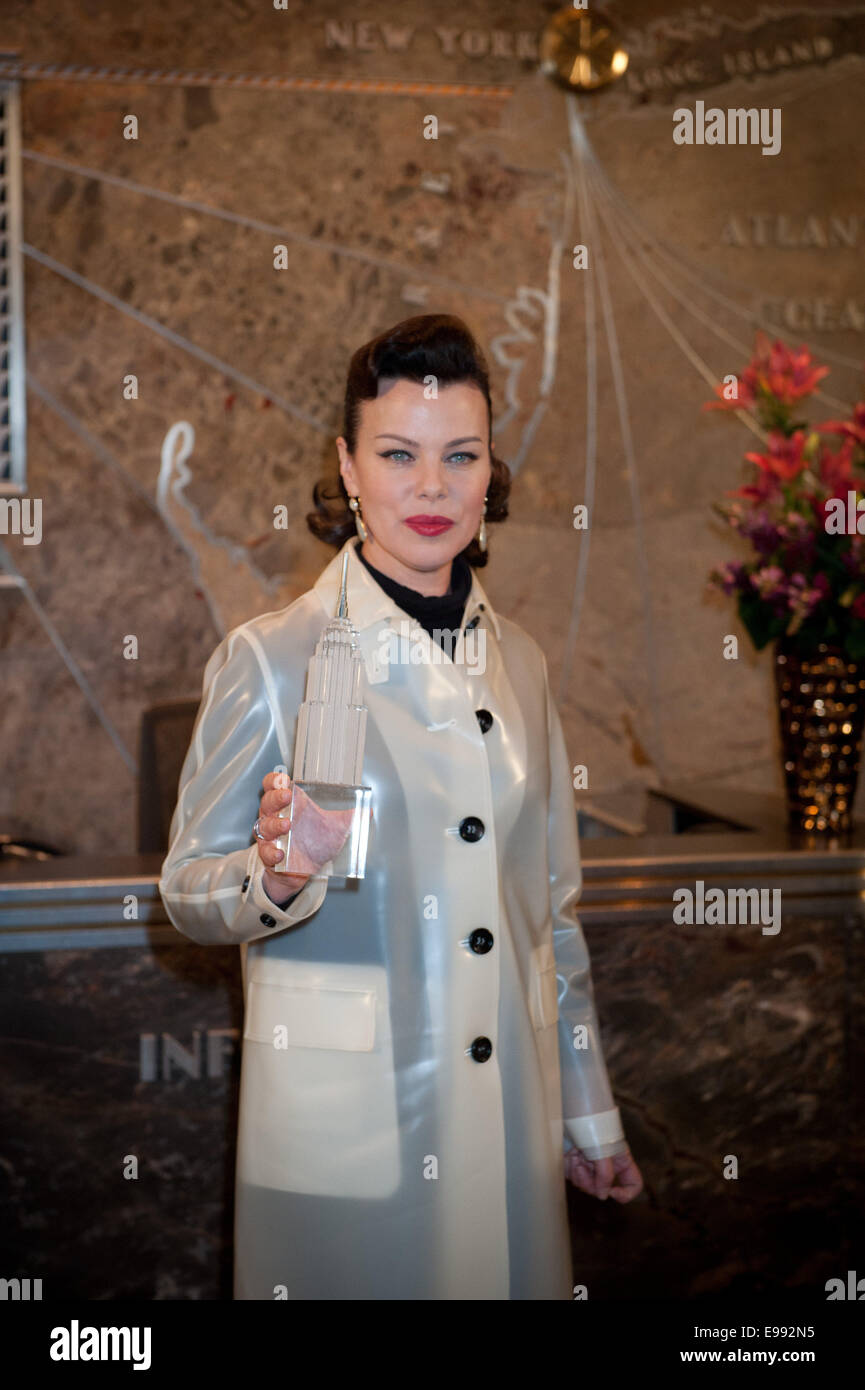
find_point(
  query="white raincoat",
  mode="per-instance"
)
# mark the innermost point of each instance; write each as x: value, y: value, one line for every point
x: 437, y: 1033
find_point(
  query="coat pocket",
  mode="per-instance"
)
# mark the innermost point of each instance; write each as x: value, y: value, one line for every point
x: 300, y: 1016
x: 543, y: 990
x: 318, y: 1101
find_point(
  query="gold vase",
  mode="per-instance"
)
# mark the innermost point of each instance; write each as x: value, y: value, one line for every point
x: 821, y: 711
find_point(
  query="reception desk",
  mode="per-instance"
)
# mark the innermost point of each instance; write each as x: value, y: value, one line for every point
x: 723, y: 1040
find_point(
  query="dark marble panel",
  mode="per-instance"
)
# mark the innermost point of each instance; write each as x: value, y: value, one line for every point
x: 719, y: 1041
x: 75, y: 1103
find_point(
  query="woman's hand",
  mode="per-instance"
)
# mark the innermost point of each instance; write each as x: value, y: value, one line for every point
x: 616, y: 1176
x: 317, y: 835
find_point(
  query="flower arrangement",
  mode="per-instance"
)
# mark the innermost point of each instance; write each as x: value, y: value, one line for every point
x: 806, y: 580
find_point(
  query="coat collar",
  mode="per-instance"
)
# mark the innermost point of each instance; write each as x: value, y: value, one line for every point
x: 369, y: 604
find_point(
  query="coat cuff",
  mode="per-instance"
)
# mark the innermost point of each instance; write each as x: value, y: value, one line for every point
x: 260, y: 911
x: 591, y: 1133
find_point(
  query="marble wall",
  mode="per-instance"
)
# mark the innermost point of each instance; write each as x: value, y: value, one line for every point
x: 154, y: 257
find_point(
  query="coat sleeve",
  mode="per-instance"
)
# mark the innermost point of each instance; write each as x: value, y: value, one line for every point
x: 212, y: 878
x: 591, y: 1118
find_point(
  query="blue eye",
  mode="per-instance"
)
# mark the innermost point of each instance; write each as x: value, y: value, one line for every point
x: 392, y: 453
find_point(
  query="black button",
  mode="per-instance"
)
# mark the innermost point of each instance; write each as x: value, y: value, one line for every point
x: 482, y: 1049
x: 473, y: 623
x: 245, y: 884
x: 266, y: 920
x: 485, y: 719
x: 471, y: 828
x: 481, y: 941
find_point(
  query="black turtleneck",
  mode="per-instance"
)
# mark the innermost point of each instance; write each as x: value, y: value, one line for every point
x: 434, y: 612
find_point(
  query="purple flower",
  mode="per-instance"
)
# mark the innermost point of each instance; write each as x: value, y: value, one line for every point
x: 730, y: 576
x: 768, y: 581
x: 803, y: 600
x: 765, y: 538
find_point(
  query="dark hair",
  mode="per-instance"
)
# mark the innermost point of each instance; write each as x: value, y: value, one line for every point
x: 438, y: 345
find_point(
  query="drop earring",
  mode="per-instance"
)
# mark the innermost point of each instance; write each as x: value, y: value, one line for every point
x: 482, y: 529
x: 354, y: 503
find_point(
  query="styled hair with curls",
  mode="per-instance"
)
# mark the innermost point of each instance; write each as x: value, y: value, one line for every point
x: 437, y: 345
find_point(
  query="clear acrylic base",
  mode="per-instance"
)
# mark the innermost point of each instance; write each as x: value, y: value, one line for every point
x: 339, y: 820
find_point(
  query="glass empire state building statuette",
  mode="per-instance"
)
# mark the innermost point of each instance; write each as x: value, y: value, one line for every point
x: 328, y: 759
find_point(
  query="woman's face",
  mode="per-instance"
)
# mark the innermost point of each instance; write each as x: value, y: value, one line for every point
x: 419, y: 458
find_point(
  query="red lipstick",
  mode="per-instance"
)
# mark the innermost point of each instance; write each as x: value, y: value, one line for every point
x: 429, y: 525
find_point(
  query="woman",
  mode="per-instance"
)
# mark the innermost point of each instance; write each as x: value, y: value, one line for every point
x: 420, y: 1048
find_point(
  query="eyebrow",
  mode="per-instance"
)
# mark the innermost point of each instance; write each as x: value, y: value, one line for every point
x: 466, y: 439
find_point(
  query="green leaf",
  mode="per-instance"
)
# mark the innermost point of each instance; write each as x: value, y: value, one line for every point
x: 759, y: 620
